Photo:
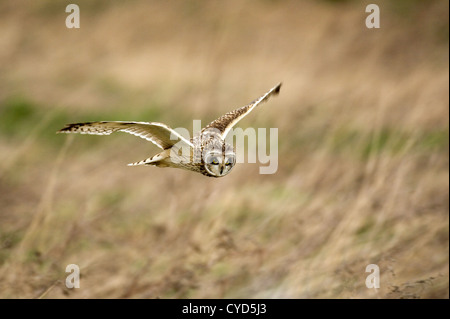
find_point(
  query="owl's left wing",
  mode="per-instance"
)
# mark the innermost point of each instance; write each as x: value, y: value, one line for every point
x: 228, y: 120
x: 158, y: 133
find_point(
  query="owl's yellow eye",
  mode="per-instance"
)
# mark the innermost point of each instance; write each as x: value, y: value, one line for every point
x: 214, y: 161
x: 229, y: 161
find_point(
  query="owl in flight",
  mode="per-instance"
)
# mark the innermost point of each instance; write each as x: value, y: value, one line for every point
x: 206, y: 153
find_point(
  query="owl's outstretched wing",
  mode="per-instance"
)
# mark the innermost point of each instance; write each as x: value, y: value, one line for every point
x: 228, y: 120
x: 158, y: 133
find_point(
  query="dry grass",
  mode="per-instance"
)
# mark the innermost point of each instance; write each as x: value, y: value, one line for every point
x: 363, y: 172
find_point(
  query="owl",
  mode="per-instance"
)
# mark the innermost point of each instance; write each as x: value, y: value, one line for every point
x: 206, y: 153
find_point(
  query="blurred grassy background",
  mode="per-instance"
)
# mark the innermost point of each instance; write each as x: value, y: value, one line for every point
x: 363, y: 174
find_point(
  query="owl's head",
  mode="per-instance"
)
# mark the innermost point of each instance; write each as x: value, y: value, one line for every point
x: 218, y: 163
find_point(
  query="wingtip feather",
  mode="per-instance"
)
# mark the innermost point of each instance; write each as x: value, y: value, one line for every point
x: 277, y: 88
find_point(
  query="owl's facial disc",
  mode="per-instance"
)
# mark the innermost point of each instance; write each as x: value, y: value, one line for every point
x: 219, y: 164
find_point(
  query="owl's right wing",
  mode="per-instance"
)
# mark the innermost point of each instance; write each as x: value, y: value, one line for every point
x: 226, y: 122
x: 158, y: 133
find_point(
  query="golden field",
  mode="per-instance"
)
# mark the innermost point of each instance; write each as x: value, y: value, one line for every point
x: 363, y: 168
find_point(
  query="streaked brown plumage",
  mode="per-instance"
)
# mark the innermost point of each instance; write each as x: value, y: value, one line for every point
x: 206, y: 153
